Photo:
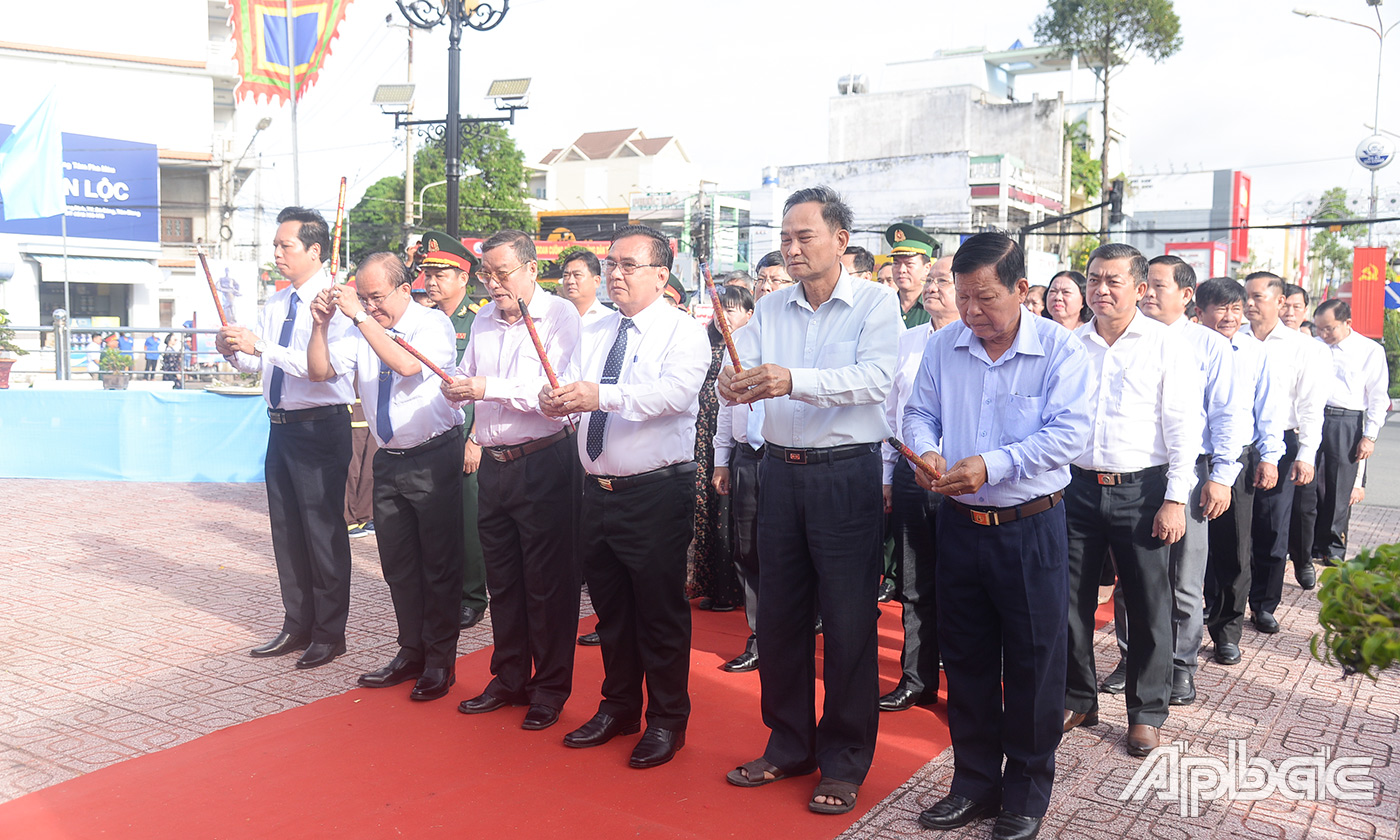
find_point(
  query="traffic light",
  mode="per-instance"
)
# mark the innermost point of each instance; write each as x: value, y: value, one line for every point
x: 1115, y: 202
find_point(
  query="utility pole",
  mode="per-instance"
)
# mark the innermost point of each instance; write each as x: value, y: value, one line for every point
x: 408, y: 157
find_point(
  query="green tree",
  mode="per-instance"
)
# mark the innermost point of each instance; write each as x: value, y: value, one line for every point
x: 1109, y: 33
x: 1331, y: 250
x: 1085, y: 173
x: 489, y: 200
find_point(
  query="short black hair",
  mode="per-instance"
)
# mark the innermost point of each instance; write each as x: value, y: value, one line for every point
x: 835, y: 211
x: 769, y: 260
x: 1290, y: 289
x: 1182, y: 272
x: 1275, y: 281
x: 1340, y: 309
x: 660, y: 245
x: 735, y: 296
x: 590, y: 262
x: 1137, y: 263
x: 519, y: 241
x: 864, y: 260
x: 1219, y: 291
x: 314, y: 230
x: 1085, y: 313
x: 992, y: 249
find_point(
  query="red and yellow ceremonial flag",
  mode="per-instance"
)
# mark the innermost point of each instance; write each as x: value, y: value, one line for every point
x: 260, y: 40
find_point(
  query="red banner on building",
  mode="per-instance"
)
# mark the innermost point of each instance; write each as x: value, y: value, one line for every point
x: 1239, y: 218
x: 1368, y: 292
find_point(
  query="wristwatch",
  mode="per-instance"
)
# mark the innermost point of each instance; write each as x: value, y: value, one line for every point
x: 259, y: 346
x: 360, y: 318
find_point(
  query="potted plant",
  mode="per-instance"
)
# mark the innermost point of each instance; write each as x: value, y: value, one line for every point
x: 1359, y: 610
x: 9, y: 351
x: 111, y: 362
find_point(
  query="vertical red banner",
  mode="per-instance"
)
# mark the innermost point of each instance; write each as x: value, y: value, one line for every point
x: 1239, y: 218
x: 1368, y: 291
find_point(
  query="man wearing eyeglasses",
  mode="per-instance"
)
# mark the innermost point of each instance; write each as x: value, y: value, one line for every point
x: 636, y: 389
x: 417, y: 489
x: 527, y: 479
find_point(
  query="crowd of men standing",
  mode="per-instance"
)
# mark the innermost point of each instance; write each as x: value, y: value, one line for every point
x: 1153, y: 431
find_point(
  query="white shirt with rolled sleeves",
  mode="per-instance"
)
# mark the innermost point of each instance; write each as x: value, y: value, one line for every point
x: 1146, y: 404
x: 508, y: 413
x: 417, y: 408
x: 298, y: 391
x: 1362, y: 380
x: 1259, y: 397
x: 1225, y: 430
x: 732, y: 429
x: 1026, y: 414
x: 653, y: 406
x: 909, y: 354
x: 841, y: 357
x: 1302, y: 369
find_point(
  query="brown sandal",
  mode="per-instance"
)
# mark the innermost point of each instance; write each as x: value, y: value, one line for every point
x: 758, y: 773
x: 844, y: 791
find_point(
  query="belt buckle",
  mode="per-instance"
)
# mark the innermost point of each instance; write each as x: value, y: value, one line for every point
x: 1110, y: 479
x: 982, y: 517
x: 605, y: 483
x: 497, y: 455
x: 795, y: 456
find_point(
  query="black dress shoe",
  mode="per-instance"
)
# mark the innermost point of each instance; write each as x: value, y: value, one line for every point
x: 1183, y: 688
x: 320, y: 653
x: 590, y: 640
x: 1304, y: 573
x: 657, y: 747
x: 540, y: 717
x: 953, y: 811
x: 433, y: 684
x: 1117, y: 681
x: 722, y: 606
x: 1265, y: 622
x: 746, y: 661
x: 471, y: 616
x: 397, y: 671
x: 284, y: 643
x: 1011, y: 826
x: 1227, y: 653
x: 482, y: 703
x: 886, y: 591
x: 904, y: 697
x: 599, y: 730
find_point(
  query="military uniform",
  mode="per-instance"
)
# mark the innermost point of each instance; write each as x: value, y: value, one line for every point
x: 907, y: 239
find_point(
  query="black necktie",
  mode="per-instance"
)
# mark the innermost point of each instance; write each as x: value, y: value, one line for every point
x: 275, y: 389
x: 611, y: 370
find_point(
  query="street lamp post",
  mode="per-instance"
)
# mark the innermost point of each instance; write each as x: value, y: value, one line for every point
x: 481, y: 16
x: 1380, y: 30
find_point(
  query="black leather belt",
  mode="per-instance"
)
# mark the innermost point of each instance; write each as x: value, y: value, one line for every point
x: 614, y: 483
x: 506, y: 454
x: 1342, y: 412
x: 431, y: 443
x: 282, y: 416
x: 819, y: 456
x: 1001, y: 516
x: 1112, y: 479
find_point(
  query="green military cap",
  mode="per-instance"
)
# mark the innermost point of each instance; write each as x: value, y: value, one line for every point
x: 439, y: 249
x: 674, y: 290
x: 907, y: 239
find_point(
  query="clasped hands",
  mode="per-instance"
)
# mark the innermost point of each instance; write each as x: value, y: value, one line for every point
x: 966, y: 476
x: 759, y: 383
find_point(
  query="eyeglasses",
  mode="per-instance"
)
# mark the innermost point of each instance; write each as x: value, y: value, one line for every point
x: 377, y: 301
x: 499, y: 277
x: 627, y: 268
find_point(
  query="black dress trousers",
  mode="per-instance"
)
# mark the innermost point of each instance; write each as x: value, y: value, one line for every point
x: 526, y: 521
x: 744, y: 468
x: 1336, y: 476
x: 418, y: 526
x: 1273, y: 510
x: 1228, y: 561
x: 306, y: 468
x: 914, y: 514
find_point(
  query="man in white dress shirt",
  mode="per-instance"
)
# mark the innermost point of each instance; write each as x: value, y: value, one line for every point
x: 1352, y: 418
x: 1303, y: 371
x: 637, y: 388
x: 822, y: 354
x: 308, y: 446
x: 578, y: 284
x: 1129, y: 490
x: 417, y: 485
x: 914, y: 510
x: 527, y: 481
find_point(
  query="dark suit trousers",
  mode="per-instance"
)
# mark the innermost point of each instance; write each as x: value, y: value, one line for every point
x: 359, y: 488
x: 1228, y: 563
x: 819, y: 540
x: 1302, y: 517
x: 527, y: 531
x: 634, y: 544
x: 473, y: 564
x: 1336, y: 475
x: 306, y: 469
x: 913, y: 513
x: 1272, y: 511
x: 1120, y: 518
x: 418, y: 525
x: 1003, y: 604
x: 744, y: 466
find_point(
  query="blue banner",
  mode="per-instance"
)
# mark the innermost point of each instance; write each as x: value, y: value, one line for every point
x: 113, y: 191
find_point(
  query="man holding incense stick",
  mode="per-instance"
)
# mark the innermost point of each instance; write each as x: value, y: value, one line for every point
x: 527, y: 480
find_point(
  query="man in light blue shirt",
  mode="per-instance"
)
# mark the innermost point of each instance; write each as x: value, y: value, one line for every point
x: 1004, y: 397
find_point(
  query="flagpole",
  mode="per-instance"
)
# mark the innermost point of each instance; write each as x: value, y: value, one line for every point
x: 292, y: 86
x: 63, y: 225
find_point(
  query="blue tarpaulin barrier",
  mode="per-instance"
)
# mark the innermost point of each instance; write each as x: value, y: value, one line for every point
x: 132, y: 435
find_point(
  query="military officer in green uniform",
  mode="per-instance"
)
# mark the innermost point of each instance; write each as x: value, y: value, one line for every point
x: 913, y: 251
x: 447, y: 277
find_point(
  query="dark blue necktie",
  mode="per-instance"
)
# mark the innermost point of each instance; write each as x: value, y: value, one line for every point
x: 611, y: 370
x: 275, y: 390
x: 384, y: 424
